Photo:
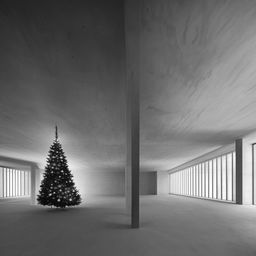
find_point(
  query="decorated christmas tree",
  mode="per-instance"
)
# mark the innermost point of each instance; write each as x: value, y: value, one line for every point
x: 57, y: 187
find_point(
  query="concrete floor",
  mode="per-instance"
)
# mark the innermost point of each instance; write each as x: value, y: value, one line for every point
x: 171, y: 225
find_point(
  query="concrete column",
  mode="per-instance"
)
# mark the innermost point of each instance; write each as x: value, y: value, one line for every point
x: 33, y: 185
x: 244, y: 170
x: 132, y: 110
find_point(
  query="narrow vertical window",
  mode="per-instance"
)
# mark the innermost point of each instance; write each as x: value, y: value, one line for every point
x: 224, y: 175
x: 234, y: 176
x: 210, y: 179
x: 219, y: 194
x: 203, y: 179
x: 206, y: 180
x: 1, y: 183
x: 214, y: 181
x: 199, y: 181
x: 229, y: 177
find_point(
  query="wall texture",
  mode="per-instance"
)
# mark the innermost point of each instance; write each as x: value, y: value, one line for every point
x: 148, y: 182
x: 100, y: 183
x: 162, y: 183
x: 112, y: 183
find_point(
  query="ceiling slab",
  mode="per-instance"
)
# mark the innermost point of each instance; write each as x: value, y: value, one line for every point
x: 63, y: 63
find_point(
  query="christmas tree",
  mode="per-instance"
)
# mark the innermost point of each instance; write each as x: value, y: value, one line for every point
x: 57, y: 187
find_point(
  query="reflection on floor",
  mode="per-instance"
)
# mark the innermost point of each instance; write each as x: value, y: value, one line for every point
x: 170, y: 225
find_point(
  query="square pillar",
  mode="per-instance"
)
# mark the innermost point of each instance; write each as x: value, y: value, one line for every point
x: 34, y: 183
x: 243, y: 171
x: 132, y: 110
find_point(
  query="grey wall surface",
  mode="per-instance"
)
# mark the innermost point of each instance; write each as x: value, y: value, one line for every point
x: 162, y: 183
x: 148, y: 183
x: 101, y: 183
x: 112, y: 183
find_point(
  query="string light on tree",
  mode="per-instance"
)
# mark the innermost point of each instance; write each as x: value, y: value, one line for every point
x: 58, y: 173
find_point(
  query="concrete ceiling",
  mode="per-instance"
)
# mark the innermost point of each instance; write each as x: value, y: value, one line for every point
x: 63, y: 62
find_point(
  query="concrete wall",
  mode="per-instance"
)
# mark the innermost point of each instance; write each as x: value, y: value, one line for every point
x: 162, y: 183
x: 100, y: 183
x: 112, y: 183
x: 148, y: 183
